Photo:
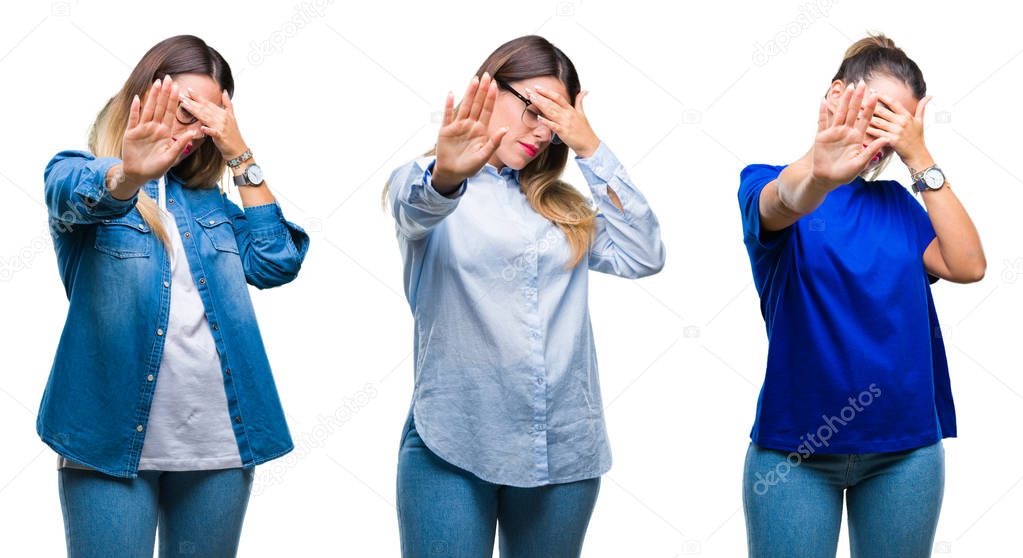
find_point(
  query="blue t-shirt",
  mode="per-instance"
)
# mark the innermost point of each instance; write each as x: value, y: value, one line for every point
x: 855, y: 359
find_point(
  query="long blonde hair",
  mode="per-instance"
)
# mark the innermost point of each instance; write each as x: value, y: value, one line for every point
x: 556, y: 200
x: 183, y: 54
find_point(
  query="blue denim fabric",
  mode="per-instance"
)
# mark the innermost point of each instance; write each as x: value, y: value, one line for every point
x: 794, y: 504
x: 117, y: 278
x: 198, y: 513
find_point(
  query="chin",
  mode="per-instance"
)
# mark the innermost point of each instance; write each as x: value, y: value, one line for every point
x: 514, y: 162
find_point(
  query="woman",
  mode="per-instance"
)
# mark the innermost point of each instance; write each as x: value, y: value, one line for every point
x: 160, y: 401
x: 506, y: 426
x: 856, y: 398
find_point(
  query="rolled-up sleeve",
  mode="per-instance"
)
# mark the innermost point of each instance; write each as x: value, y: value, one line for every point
x: 628, y: 240
x: 272, y: 248
x: 76, y: 189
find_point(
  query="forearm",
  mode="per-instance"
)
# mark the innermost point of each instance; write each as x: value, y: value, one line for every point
x: 958, y: 240
x: 791, y: 196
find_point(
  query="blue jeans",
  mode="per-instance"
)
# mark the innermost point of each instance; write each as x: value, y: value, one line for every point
x: 445, y: 511
x: 199, y: 513
x: 794, y: 506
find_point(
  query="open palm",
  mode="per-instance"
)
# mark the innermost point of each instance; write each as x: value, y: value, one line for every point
x: 147, y: 148
x: 464, y: 143
x: 838, y: 150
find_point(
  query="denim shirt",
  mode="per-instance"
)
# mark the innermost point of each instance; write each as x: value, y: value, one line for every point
x: 505, y: 367
x: 117, y: 278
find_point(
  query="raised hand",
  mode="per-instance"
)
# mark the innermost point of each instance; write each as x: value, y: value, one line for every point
x: 838, y: 153
x: 904, y: 131
x: 148, y: 150
x: 464, y: 143
x: 568, y: 121
x: 218, y: 123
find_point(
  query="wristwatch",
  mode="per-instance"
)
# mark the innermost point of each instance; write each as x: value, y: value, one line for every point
x: 929, y: 179
x: 251, y: 176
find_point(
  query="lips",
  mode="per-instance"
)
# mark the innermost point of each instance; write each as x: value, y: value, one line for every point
x: 529, y: 149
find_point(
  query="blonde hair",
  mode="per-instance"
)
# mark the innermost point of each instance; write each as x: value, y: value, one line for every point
x: 540, y: 181
x: 183, y: 54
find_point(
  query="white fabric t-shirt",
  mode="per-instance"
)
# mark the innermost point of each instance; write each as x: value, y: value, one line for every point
x: 189, y: 426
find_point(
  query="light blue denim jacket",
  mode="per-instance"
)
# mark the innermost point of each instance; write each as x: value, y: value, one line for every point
x: 506, y: 380
x: 117, y: 278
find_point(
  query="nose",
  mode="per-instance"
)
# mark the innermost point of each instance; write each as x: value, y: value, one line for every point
x: 542, y: 133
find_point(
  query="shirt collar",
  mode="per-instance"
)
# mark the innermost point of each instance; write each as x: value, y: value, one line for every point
x: 504, y: 173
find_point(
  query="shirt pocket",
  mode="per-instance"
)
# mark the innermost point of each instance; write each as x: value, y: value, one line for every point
x: 127, y: 237
x: 217, y: 227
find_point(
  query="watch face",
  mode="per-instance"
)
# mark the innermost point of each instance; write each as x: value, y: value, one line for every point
x: 254, y: 174
x: 934, y: 179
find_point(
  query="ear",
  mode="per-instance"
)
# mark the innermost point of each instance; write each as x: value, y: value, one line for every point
x: 834, y: 94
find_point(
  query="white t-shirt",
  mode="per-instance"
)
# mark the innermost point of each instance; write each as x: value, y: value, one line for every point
x: 189, y: 426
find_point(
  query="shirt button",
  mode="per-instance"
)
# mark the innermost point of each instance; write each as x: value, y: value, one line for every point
x: 188, y: 235
x: 170, y: 201
x: 139, y: 428
x: 212, y: 222
x: 227, y: 371
x: 141, y: 226
x: 539, y: 380
x: 159, y: 333
x: 150, y: 377
x: 237, y: 418
x: 216, y: 327
x: 202, y: 280
x: 166, y: 284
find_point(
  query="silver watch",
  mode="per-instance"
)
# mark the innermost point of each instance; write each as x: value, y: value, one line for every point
x: 929, y: 179
x: 251, y: 176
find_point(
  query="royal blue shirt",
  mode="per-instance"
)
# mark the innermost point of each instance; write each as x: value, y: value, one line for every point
x: 117, y: 276
x: 506, y: 382
x: 855, y: 360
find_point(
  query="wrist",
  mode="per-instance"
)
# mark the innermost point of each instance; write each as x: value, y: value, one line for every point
x: 818, y: 184
x: 589, y: 149
x: 123, y: 181
x: 918, y: 161
x: 445, y: 182
x: 240, y: 169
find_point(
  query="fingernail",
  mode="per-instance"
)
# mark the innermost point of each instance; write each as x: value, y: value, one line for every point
x: 539, y: 87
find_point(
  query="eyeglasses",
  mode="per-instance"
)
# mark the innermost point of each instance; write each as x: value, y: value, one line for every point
x: 184, y: 117
x: 530, y: 118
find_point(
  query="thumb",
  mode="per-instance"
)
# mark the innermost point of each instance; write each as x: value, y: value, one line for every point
x: 226, y: 99
x: 921, y: 106
x: 579, y: 101
x: 178, y: 146
x: 495, y: 141
x: 871, y: 150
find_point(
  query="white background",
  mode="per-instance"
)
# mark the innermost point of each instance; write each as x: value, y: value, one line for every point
x: 353, y: 92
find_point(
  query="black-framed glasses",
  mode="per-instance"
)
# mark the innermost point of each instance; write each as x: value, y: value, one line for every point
x: 531, y: 118
x: 184, y: 117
